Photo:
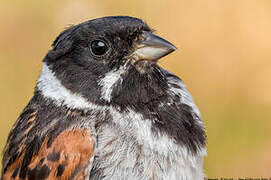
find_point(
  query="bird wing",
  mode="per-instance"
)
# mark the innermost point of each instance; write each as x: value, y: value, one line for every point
x: 68, y: 156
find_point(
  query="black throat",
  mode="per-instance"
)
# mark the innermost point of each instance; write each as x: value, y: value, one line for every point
x: 136, y: 89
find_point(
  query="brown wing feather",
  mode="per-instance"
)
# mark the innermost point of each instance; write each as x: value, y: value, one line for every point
x: 46, y: 142
x: 68, y: 157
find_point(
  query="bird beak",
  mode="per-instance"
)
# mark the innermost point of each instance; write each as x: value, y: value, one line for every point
x: 152, y: 48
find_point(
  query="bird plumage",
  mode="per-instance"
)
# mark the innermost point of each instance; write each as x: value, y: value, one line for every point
x: 104, y: 109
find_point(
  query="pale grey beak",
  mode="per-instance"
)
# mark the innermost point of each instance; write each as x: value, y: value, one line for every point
x: 152, y: 48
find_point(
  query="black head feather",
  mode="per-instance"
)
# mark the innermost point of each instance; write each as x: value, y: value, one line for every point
x: 80, y: 70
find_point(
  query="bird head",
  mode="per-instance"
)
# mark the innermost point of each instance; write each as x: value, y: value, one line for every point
x: 110, y: 60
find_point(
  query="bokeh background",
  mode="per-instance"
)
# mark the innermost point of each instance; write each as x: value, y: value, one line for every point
x: 223, y: 56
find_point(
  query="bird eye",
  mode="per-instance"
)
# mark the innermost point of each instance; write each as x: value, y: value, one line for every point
x: 98, y: 47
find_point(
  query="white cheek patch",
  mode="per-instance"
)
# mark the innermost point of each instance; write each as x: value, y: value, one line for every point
x: 51, y: 87
x: 109, y: 80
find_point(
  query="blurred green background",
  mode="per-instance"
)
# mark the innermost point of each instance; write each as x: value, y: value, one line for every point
x: 223, y: 56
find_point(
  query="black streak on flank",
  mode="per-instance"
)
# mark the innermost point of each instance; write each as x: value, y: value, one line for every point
x: 60, y: 170
x: 54, y: 156
x: 41, y: 161
x: 75, y: 172
x: 15, y: 172
x: 41, y: 173
x: 30, y: 151
x: 44, y: 172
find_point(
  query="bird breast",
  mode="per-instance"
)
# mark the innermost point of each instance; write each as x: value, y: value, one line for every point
x: 127, y: 148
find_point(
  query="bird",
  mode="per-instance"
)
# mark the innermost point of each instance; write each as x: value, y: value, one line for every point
x: 104, y: 109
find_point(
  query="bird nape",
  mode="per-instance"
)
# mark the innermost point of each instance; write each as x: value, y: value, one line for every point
x: 104, y: 109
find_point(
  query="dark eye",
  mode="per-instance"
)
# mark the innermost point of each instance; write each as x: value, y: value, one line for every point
x: 98, y: 47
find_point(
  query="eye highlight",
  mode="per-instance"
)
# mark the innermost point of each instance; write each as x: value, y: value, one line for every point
x: 98, y: 47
